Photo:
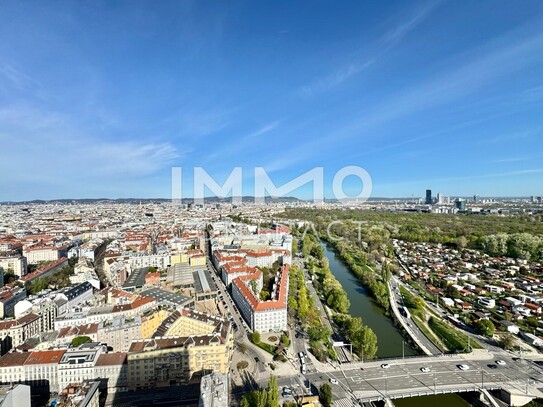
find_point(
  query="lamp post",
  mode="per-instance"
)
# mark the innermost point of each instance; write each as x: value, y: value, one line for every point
x: 403, y: 350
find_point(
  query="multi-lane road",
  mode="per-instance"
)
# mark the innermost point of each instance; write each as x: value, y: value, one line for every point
x: 410, y: 327
x: 405, y: 377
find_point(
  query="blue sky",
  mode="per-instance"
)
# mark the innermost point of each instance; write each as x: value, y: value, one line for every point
x: 102, y: 98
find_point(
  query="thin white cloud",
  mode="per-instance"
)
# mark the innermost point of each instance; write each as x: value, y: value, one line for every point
x: 513, y: 52
x: 60, y: 150
x: 509, y: 160
x: 390, y: 39
x: 335, y: 79
x: 418, y: 15
x: 237, y: 146
x: 22, y: 82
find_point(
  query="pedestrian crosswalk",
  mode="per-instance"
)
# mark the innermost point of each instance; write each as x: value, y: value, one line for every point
x: 344, y: 402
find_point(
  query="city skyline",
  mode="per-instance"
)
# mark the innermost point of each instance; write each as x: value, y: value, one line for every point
x: 429, y: 95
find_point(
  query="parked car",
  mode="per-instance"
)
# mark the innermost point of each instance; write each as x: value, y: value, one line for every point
x: 501, y: 362
x: 424, y: 369
x: 334, y: 381
x: 385, y: 366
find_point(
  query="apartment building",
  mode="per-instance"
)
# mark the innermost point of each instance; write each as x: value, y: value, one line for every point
x: 41, y: 368
x: 14, y: 263
x: 151, y: 321
x: 14, y: 332
x: 77, y: 364
x: 161, y: 362
x: 119, y: 333
x: 112, y: 368
x: 11, y: 367
x: 37, y: 254
x: 9, y: 296
x: 262, y: 316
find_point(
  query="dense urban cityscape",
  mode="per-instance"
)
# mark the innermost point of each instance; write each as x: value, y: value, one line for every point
x: 103, y: 301
x: 271, y: 204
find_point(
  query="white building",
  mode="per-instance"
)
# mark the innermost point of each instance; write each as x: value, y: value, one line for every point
x: 42, y: 366
x: 487, y: 302
x: 262, y: 316
x: 113, y: 368
x: 35, y: 255
x: 14, y: 263
x: 77, y: 364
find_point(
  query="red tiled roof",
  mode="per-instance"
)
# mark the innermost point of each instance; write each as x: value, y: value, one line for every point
x: 257, y: 305
x: 110, y: 359
x: 14, y: 359
x: 44, y: 357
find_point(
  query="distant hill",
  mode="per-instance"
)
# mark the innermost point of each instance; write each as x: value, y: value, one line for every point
x: 211, y: 199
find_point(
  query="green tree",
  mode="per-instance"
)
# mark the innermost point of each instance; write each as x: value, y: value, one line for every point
x: 80, y: 340
x: 272, y: 393
x: 285, y: 341
x: 325, y: 395
x: 255, y: 337
x: 369, y: 342
x: 292, y: 305
x: 507, y: 341
x: 452, y: 292
x: 338, y: 300
x: 318, y: 333
x: 9, y: 277
x: 486, y: 327
x: 418, y: 302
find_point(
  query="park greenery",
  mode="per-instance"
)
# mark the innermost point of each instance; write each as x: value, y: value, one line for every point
x: 268, y: 397
x: 57, y: 280
x: 455, y: 340
x: 304, y: 309
x: 517, y: 236
x: 276, y: 350
x: 362, y: 338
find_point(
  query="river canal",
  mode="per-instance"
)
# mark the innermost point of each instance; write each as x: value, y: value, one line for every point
x: 388, y: 337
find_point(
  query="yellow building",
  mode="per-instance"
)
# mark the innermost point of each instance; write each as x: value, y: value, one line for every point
x: 161, y: 362
x: 198, y: 260
x: 185, y: 344
x: 179, y: 258
x: 150, y: 323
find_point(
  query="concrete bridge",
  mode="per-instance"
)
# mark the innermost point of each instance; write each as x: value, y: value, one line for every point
x: 519, y: 381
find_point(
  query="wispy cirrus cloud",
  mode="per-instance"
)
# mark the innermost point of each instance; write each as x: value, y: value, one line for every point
x: 511, y: 53
x: 21, y: 82
x: 61, y: 150
x: 238, y: 146
x: 386, y: 42
x: 335, y: 79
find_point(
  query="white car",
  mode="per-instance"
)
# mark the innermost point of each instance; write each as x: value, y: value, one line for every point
x: 500, y: 362
x: 463, y: 367
x: 385, y: 366
x: 334, y: 381
x: 424, y: 369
